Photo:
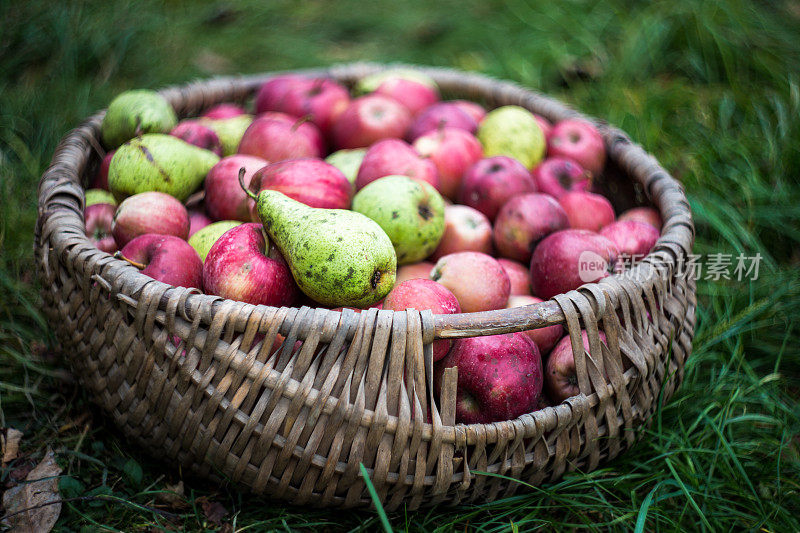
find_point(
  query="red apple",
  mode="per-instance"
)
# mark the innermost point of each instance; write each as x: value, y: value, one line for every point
x: 545, y: 338
x: 321, y: 99
x: 519, y: 275
x: 193, y: 132
x: 98, y: 219
x: 149, y: 212
x: 417, y: 270
x: 413, y: 94
x: 476, y: 111
x: 274, y: 137
x: 100, y: 180
x: 560, y: 376
x: 499, y: 377
x: 197, y: 220
x: 524, y: 221
x: 440, y: 115
x: 225, y: 199
x: 556, y: 176
x: 580, y: 141
x: 567, y: 259
x: 369, y: 119
x: 166, y: 258
x: 243, y: 265
x: 422, y: 294
x: 310, y: 181
x: 453, y: 151
x: 632, y: 238
x: 647, y: 215
x: 465, y: 230
x: 272, y: 93
x: 395, y: 157
x: 223, y: 111
x: 587, y: 210
x: 477, y: 280
x: 545, y: 124
x: 491, y: 182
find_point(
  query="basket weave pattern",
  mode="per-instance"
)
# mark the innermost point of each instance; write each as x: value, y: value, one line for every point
x: 192, y: 378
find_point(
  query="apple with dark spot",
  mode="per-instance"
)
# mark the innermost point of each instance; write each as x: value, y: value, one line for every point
x: 492, y: 181
x: 557, y: 176
x: 465, y: 230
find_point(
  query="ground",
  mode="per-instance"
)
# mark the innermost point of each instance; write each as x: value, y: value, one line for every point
x: 711, y: 88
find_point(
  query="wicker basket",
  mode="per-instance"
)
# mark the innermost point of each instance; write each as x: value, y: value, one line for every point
x: 295, y: 424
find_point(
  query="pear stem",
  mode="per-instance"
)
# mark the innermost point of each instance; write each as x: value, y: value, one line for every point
x: 247, y: 191
x: 140, y: 266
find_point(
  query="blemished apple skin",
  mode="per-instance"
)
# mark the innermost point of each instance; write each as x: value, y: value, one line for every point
x: 459, y: 272
x: 395, y: 157
x: 193, y: 132
x: 422, y: 294
x: 98, y: 219
x: 167, y: 258
x: 647, y: 215
x: 443, y: 114
x: 499, y: 377
x: 580, y: 141
x: 633, y: 239
x: 524, y: 221
x: 225, y: 199
x: 560, y: 376
x: 465, y: 230
x: 587, y: 210
x: 545, y: 338
x: 369, y: 119
x: 149, y: 212
x: 557, y: 176
x: 243, y: 265
x: 277, y: 137
x: 556, y: 262
x: 453, y: 151
x: 492, y: 181
x: 519, y: 275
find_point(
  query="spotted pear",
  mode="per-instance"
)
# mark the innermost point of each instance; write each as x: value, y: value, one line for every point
x: 337, y: 257
x: 134, y: 113
x: 158, y: 162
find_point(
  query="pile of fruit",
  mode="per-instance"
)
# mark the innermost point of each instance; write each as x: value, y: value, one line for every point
x: 387, y: 197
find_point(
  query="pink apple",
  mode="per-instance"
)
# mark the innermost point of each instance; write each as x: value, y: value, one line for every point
x: 310, y: 181
x: 273, y: 92
x: 545, y: 338
x: 453, y: 151
x: 499, y: 377
x: 166, y: 258
x: 413, y: 94
x: 369, y: 119
x: 321, y: 99
x: 274, y: 137
x: 243, y: 265
x: 417, y: 270
x: 422, y: 294
x: 647, y: 215
x: 465, y: 230
x: 587, y: 210
x: 560, y: 376
x: 545, y: 124
x: 193, y: 132
x: 225, y: 199
x: 633, y: 239
x: 567, y: 259
x: 149, y: 212
x: 197, y: 220
x: 556, y: 176
x: 580, y: 141
x: 100, y: 180
x: 395, y: 157
x: 98, y: 219
x: 524, y: 221
x: 491, y: 182
x: 476, y: 111
x: 479, y: 282
x: 519, y: 275
x: 223, y: 111
x: 440, y: 115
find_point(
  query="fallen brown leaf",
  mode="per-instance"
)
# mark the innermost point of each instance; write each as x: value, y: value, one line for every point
x: 173, y: 496
x: 34, y: 506
x: 9, y: 444
x: 213, y: 511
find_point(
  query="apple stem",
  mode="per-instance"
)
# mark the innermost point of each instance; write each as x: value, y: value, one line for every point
x: 247, y: 191
x: 300, y: 121
x: 140, y: 266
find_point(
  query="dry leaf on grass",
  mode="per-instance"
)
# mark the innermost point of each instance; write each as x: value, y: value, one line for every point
x: 174, y: 496
x: 34, y: 505
x: 9, y: 444
x: 213, y: 511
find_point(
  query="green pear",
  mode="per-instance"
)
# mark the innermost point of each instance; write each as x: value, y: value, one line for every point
x: 229, y: 131
x: 157, y: 162
x: 512, y: 131
x: 368, y: 84
x: 99, y: 196
x: 204, y: 238
x: 136, y: 112
x: 337, y: 257
x: 411, y: 212
x: 348, y: 161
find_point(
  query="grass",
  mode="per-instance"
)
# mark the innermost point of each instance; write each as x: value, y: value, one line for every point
x: 712, y: 88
